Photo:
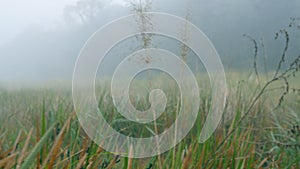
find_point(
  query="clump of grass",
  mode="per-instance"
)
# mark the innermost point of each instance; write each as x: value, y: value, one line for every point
x: 281, y: 75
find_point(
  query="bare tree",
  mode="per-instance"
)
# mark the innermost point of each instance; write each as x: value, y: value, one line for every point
x: 83, y: 12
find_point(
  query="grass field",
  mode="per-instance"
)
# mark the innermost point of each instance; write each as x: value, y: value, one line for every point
x: 39, y: 129
x: 260, y: 125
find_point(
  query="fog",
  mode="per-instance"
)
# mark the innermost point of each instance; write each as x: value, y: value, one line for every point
x: 40, y: 40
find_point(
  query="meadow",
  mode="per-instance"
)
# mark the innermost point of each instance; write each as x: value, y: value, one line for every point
x: 39, y: 129
x: 260, y: 127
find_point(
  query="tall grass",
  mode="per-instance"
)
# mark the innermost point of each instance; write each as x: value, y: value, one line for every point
x: 264, y: 139
x: 259, y: 129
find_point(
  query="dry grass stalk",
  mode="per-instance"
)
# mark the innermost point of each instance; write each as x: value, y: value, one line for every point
x: 56, y: 146
x: 16, y: 142
x: 129, y: 165
x: 81, y: 162
x: 188, y: 159
x: 8, y: 159
x: 23, y: 152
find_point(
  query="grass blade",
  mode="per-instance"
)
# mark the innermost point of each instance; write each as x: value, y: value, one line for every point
x: 29, y: 160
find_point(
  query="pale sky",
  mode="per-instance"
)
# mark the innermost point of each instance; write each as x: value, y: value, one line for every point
x: 17, y: 15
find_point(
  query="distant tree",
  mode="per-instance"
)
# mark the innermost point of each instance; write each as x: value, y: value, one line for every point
x: 83, y: 12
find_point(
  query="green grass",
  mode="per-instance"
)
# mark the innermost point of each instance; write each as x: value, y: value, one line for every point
x: 35, y: 132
